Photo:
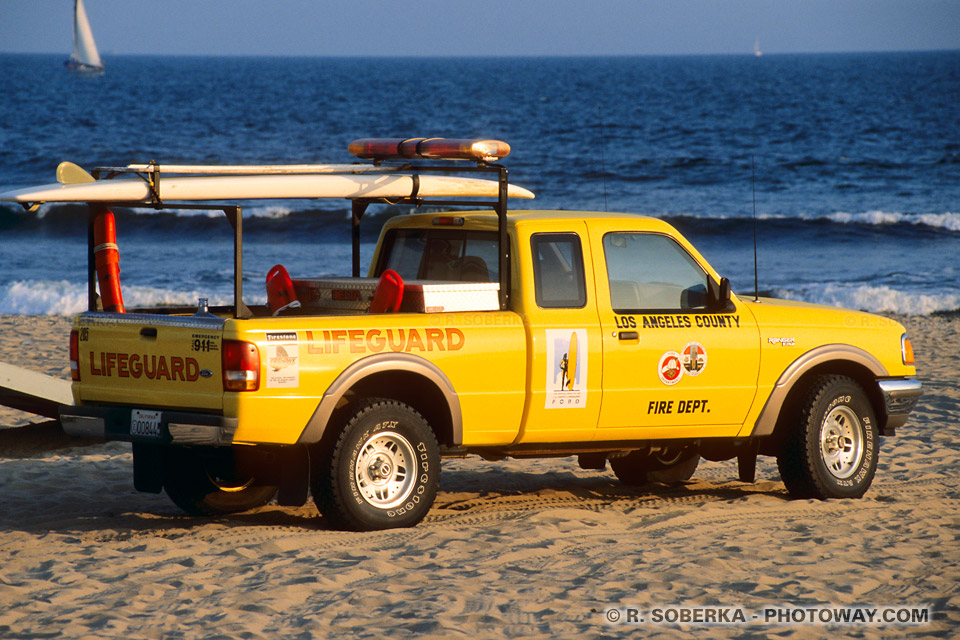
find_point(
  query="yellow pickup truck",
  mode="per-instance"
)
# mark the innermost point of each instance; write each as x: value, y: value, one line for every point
x: 489, y: 332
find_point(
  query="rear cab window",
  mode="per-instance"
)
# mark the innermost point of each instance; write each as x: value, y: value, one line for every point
x: 441, y: 254
x: 558, y: 273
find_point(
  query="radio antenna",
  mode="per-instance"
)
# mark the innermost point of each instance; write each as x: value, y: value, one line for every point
x: 603, y: 164
x: 753, y: 183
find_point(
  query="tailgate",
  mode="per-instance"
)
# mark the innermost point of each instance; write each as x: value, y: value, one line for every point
x: 150, y: 360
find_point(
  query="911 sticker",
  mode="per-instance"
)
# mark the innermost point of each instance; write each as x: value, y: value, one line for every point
x: 566, y: 368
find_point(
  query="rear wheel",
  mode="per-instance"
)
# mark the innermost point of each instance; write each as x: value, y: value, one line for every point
x: 832, y: 450
x: 207, y: 482
x: 667, y: 465
x: 383, y: 471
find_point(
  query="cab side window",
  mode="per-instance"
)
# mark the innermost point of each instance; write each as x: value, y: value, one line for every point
x: 558, y: 274
x: 650, y: 272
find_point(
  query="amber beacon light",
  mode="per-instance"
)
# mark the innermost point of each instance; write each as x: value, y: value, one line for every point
x: 429, y: 149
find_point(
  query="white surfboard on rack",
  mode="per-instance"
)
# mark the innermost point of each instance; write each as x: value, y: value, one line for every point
x: 271, y: 186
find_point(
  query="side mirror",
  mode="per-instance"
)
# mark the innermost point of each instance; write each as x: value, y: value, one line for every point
x: 724, y: 297
x: 719, y: 294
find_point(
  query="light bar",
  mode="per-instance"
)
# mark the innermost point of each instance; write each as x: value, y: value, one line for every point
x: 429, y: 149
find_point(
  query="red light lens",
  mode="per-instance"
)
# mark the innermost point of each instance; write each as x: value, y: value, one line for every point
x: 241, y: 366
x: 448, y: 221
x: 429, y: 149
x: 75, y: 355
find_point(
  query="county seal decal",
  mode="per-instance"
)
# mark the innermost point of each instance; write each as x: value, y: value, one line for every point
x: 669, y: 368
x: 691, y: 361
x: 694, y: 358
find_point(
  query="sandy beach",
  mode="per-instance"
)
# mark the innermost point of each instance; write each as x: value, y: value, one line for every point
x: 516, y: 548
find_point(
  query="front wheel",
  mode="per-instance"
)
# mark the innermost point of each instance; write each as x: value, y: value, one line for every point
x: 833, y: 448
x: 383, y: 471
x: 207, y: 482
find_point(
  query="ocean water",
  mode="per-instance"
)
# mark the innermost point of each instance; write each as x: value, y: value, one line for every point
x: 854, y: 161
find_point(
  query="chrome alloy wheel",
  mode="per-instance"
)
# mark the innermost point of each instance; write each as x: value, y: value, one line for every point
x: 385, y: 470
x: 841, y: 442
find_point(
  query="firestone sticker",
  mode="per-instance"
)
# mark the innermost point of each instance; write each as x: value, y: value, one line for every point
x: 283, y: 360
x: 566, y: 368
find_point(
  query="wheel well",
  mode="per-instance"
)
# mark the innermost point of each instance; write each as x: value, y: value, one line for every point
x: 791, y: 405
x: 407, y: 387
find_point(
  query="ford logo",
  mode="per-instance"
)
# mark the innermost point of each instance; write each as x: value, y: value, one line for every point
x: 206, y: 373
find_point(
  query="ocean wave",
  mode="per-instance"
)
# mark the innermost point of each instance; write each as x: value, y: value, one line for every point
x: 875, y: 299
x: 63, y: 298
x: 947, y: 221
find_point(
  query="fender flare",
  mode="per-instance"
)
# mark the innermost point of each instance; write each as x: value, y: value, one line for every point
x: 767, y: 419
x: 380, y: 363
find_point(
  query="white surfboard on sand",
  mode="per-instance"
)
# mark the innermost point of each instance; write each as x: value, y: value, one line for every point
x: 271, y: 187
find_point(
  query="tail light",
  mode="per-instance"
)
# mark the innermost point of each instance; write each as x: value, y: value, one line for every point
x: 906, y: 350
x: 241, y: 366
x: 75, y: 356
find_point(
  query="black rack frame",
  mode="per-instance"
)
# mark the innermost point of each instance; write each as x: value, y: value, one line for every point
x: 234, y: 215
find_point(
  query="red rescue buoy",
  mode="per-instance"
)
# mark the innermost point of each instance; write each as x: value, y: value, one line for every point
x: 280, y: 292
x: 107, y: 259
x: 388, y: 294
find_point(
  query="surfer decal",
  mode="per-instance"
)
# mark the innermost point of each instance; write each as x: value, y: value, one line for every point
x: 566, y: 368
x: 283, y: 360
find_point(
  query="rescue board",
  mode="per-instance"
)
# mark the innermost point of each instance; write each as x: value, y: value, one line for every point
x: 268, y: 187
x: 32, y: 391
x: 572, y: 361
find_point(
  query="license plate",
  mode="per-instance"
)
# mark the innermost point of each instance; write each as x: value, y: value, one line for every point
x: 145, y: 423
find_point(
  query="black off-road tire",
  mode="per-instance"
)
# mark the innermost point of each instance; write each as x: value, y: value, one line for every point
x: 832, y: 449
x: 638, y: 468
x: 207, y: 482
x: 382, y: 472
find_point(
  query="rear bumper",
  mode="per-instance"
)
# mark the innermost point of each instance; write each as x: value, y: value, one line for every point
x: 899, y: 397
x: 176, y: 427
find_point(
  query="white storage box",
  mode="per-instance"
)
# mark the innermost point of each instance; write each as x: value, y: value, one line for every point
x: 433, y: 296
x: 419, y: 296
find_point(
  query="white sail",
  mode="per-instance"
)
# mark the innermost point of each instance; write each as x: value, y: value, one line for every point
x: 84, y: 48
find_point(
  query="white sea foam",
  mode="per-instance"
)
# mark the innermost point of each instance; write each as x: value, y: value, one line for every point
x: 876, y: 299
x: 67, y: 298
x: 948, y: 221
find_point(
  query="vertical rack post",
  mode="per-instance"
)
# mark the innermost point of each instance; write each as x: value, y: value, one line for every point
x: 92, y: 210
x: 235, y: 216
x: 504, y: 240
x: 359, y: 208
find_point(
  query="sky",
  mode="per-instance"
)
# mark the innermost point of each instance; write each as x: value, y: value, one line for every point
x: 483, y: 27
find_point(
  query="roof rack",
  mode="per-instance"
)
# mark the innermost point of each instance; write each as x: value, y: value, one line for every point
x: 397, y: 175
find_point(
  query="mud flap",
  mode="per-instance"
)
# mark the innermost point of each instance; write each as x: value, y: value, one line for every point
x: 147, y: 468
x: 747, y: 462
x: 294, y: 483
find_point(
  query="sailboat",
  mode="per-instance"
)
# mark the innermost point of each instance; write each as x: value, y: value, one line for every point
x: 756, y: 48
x: 84, y: 60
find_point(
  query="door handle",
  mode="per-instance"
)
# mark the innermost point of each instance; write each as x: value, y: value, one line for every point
x: 628, y: 335
x: 149, y: 332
